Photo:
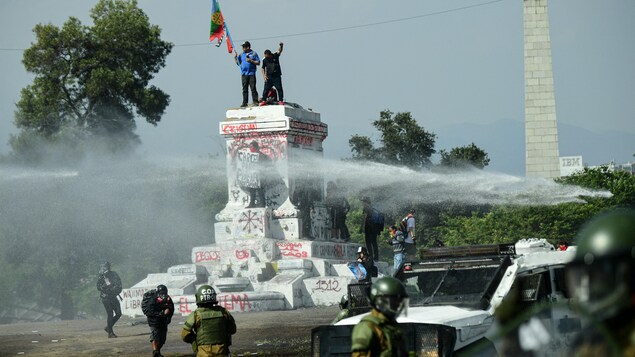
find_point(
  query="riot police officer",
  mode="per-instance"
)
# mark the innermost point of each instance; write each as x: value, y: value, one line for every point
x: 378, y: 334
x: 602, y: 280
x: 209, y: 327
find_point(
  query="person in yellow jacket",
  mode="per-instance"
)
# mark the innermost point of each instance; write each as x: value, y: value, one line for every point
x: 209, y: 327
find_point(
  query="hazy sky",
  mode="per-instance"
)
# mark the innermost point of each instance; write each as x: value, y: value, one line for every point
x: 446, y: 66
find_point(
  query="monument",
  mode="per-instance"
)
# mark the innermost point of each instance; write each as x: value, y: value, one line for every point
x: 272, y: 247
x: 541, y: 130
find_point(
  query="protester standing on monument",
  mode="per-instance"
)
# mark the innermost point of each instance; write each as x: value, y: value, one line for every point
x: 109, y: 286
x: 398, y: 249
x: 158, y: 307
x: 209, y: 327
x: 272, y: 73
x: 248, y: 61
x: 410, y: 242
x: 378, y: 333
x: 338, y: 208
x: 369, y: 228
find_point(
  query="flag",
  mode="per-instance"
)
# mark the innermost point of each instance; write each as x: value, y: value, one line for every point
x: 217, y: 25
x: 230, y: 43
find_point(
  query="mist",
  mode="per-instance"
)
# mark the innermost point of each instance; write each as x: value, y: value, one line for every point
x: 144, y: 214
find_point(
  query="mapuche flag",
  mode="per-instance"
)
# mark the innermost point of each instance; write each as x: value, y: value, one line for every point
x: 218, y: 28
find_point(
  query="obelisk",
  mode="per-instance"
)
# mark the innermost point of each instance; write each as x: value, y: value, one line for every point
x: 541, y: 131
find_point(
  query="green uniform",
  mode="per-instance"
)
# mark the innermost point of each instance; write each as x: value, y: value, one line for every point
x: 209, y: 329
x: 376, y: 335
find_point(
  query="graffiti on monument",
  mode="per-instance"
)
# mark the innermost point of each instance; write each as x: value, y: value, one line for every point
x: 320, y: 223
x: 294, y: 250
x: 206, y: 256
x: 252, y: 221
x: 327, y: 285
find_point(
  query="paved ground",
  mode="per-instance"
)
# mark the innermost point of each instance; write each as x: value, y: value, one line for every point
x: 269, y: 333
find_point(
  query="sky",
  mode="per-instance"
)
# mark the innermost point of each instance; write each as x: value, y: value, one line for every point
x: 451, y: 63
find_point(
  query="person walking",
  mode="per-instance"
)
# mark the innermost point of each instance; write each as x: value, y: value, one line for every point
x: 378, y: 333
x: 248, y: 61
x: 109, y: 286
x: 209, y: 327
x: 369, y: 228
x: 272, y: 73
x: 157, y: 305
x: 398, y: 248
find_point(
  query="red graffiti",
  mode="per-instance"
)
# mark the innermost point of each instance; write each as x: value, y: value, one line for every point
x: 235, y: 302
x: 239, y: 128
x: 303, y: 140
x: 183, y: 305
x: 242, y: 254
x: 289, y: 250
x: 327, y: 285
x: 207, y: 255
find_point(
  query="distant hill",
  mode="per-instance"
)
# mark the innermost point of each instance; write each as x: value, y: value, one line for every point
x: 504, y: 141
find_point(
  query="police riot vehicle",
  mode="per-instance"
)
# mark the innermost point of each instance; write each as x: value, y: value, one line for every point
x: 454, y: 292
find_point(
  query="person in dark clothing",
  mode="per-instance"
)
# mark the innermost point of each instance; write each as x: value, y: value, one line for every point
x: 370, y: 229
x: 338, y: 209
x: 109, y: 286
x: 272, y: 73
x: 364, y: 259
x: 159, y: 313
x: 263, y: 171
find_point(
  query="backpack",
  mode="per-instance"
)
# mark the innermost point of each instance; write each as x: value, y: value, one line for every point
x: 403, y: 226
x: 377, y: 218
x: 148, y: 300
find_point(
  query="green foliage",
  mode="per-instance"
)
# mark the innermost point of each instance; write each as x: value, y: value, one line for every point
x: 556, y: 223
x: 404, y: 142
x: 470, y: 155
x: 90, y: 81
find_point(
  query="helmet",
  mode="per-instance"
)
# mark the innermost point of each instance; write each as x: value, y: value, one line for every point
x: 205, y: 294
x: 344, y: 302
x: 602, y: 274
x: 389, y: 296
x: 162, y: 289
x: 362, y: 250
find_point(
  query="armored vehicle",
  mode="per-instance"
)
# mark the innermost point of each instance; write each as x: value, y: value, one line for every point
x: 454, y: 292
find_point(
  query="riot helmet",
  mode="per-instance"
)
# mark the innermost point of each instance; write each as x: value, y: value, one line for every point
x: 344, y: 302
x: 389, y: 296
x: 206, y: 294
x: 602, y: 273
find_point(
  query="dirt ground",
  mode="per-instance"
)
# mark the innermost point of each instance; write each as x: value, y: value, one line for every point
x: 268, y: 333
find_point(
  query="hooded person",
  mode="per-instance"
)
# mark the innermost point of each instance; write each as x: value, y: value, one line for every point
x: 109, y: 287
x: 159, y: 310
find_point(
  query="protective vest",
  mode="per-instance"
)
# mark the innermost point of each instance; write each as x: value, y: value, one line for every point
x: 213, y: 327
x: 388, y: 337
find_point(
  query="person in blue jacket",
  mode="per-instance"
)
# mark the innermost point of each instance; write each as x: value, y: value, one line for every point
x: 248, y: 61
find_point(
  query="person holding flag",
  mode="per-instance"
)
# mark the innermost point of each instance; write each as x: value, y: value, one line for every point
x: 248, y: 61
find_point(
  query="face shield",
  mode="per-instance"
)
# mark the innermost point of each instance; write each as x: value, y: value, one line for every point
x: 600, y: 287
x: 392, y: 306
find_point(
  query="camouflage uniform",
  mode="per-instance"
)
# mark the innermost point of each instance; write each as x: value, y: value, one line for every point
x: 377, y: 335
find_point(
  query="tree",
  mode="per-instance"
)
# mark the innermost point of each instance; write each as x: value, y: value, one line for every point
x: 89, y: 81
x: 470, y: 155
x: 404, y: 142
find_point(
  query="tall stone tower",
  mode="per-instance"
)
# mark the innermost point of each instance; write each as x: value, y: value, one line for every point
x: 541, y: 131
